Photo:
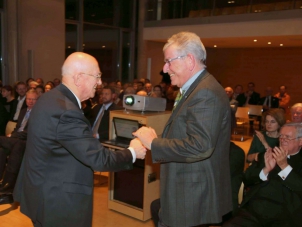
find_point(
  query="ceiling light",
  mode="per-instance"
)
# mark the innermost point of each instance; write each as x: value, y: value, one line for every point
x: 103, y: 46
x: 69, y: 47
x: 83, y: 44
x: 281, y: 45
x: 255, y: 40
x: 269, y: 43
x: 215, y: 45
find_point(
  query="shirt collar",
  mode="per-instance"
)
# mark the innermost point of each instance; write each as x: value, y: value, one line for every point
x: 78, y: 100
x: 187, y: 85
x: 288, y: 156
x: 107, y: 105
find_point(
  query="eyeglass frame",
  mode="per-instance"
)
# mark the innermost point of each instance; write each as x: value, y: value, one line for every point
x: 98, y: 77
x: 168, y: 61
x: 287, y: 139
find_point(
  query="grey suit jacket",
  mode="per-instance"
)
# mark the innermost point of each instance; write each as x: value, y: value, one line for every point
x: 55, y: 183
x: 194, y: 155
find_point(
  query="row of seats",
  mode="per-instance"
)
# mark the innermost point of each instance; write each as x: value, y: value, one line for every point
x: 257, y: 8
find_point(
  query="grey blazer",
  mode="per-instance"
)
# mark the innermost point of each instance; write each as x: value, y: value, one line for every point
x: 194, y: 155
x: 55, y: 183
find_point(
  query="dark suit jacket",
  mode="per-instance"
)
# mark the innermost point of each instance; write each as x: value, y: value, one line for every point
x: 20, y: 135
x: 104, y: 124
x: 254, y: 99
x: 194, y: 155
x: 14, y: 108
x: 237, y: 157
x: 287, y: 193
x: 55, y: 182
x: 274, y: 101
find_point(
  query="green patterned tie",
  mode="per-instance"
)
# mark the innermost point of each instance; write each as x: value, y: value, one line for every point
x: 178, y: 98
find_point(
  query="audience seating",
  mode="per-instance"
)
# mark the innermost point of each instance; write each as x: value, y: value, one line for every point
x: 10, y: 126
x: 242, y: 118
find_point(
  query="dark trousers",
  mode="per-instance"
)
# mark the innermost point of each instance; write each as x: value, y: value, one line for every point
x: 16, y: 148
x: 155, y: 207
x: 245, y: 218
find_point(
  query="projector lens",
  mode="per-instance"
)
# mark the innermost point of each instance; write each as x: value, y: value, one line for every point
x: 129, y: 100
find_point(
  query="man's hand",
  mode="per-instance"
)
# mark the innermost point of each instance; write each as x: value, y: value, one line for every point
x: 269, y: 161
x: 146, y: 136
x: 280, y: 155
x: 139, y: 149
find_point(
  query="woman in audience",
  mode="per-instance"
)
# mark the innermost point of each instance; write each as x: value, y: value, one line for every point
x: 40, y: 90
x: 157, y: 92
x: 8, y: 94
x: 272, y: 121
x: 48, y: 86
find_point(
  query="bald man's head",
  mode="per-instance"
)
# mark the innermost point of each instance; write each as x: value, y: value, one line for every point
x: 81, y: 74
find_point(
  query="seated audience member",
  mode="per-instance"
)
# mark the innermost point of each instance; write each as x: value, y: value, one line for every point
x: 33, y: 85
x: 237, y: 161
x: 21, y: 89
x: 296, y: 113
x: 164, y: 88
x: 142, y: 93
x: 56, y: 82
x: 3, y: 119
x: 275, y: 182
x: 100, y: 114
x: 15, y: 144
x: 157, y: 92
x: 283, y: 97
x: 233, y: 105
x: 237, y: 91
x: 48, y: 86
x: 272, y: 121
x: 40, y: 81
x: 269, y: 101
x: 140, y: 86
x: 148, y: 88
x: 250, y: 97
x: 10, y: 102
x: 40, y: 90
x: 28, y: 81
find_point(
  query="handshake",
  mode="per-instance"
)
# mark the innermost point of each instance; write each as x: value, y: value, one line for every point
x: 142, y: 142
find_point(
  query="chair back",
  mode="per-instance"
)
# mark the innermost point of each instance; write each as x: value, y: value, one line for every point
x: 242, y: 113
x: 10, y: 126
x: 255, y: 110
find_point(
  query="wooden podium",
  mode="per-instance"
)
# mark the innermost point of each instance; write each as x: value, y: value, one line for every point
x: 131, y: 192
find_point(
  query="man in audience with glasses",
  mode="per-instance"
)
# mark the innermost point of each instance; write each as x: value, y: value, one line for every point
x: 274, y: 182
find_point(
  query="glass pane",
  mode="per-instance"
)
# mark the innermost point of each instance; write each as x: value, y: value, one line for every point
x: 72, y: 9
x: 151, y: 10
x: 70, y: 39
x: 126, y: 63
x: 116, y: 13
x: 102, y: 43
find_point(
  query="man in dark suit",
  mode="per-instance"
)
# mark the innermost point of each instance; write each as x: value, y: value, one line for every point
x: 14, y: 145
x: 101, y: 126
x: 21, y: 91
x: 250, y: 97
x: 194, y: 149
x: 55, y: 182
x: 274, y: 197
x: 269, y: 101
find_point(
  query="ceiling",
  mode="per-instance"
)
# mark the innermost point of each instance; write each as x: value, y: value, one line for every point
x: 248, y: 42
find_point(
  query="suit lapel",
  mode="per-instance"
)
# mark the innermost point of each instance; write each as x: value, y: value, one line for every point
x: 202, y: 75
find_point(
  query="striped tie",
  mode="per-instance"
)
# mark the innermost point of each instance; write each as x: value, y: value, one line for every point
x: 178, y: 98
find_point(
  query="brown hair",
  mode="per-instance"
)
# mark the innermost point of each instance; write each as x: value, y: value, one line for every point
x: 277, y: 114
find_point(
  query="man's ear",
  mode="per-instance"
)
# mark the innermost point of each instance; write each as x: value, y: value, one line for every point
x: 77, y: 79
x: 191, y: 61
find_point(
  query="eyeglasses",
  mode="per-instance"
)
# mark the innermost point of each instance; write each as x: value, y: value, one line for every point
x: 31, y: 99
x: 168, y: 61
x: 287, y: 138
x: 97, y: 77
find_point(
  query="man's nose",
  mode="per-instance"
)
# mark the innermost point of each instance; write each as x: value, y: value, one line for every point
x: 166, y: 68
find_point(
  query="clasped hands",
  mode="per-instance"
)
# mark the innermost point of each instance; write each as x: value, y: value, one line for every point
x: 273, y: 156
x: 142, y: 142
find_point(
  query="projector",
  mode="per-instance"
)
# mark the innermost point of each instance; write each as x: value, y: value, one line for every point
x: 144, y: 103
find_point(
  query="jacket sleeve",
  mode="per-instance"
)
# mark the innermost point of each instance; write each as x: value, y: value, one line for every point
x: 74, y: 134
